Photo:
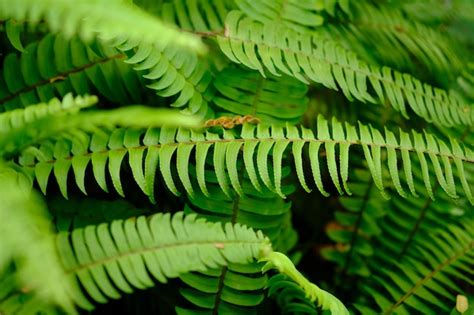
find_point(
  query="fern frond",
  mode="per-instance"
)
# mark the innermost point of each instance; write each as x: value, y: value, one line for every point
x: 384, y: 33
x: 309, y: 58
x: 235, y: 288
x: 271, y: 99
x: 68, y: 66
x: 110, y: 259
x: 19, y: 118
x: 324, y: 299
x: 426, y: 283
x: 17, y: 139
x: 107, y: 20
x: 261, y: 143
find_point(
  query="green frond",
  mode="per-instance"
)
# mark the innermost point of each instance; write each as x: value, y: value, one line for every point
x: 19, y: 118
x: 236, y: 288
x: 108, y: 20
x: 272, y: 99
x: 109, y: 260
x: 289, y: 296
x: 174, y: 73
x: 324, y: 300
x: 262, y: 146
x: 312, y: 59
x: 384, y: 35
x: 426, y: 283
x: 66, y: 66
x: 49, y: 127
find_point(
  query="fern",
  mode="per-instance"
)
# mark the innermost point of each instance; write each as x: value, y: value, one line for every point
x: 367, y: 103
x: 76, y: 69
x: 109, y: 20
x: 256, y: 142
x: 272, y: 99
x: 321, y: 61
x: 324, y: 299
x: 150, y: 247
x: 422, y: 285
x: 384, y: 33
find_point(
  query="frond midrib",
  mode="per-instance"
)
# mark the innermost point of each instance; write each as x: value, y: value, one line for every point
x: 158, y: 248
x: 430, y: 275
x: 291, y: 140
x: 58, y: 76
x: 368, y: 74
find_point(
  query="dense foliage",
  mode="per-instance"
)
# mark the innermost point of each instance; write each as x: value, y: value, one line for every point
x: 287, y: 156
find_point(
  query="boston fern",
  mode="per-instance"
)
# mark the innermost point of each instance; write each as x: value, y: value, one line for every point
x: 236, y: 157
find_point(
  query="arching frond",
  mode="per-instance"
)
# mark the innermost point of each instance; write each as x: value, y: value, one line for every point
x: 264, y: 144
x: 109, y: 260
x: 19, y: 118
x: 324, y: 299
x: 271, y: 99
x: 17, y: 139
x: 312, y: 59
x: 426, y: 283
x: 67, y: 66
x: 236, y: 288
x: 107, y: 20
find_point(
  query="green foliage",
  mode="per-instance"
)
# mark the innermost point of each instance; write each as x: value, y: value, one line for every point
x: 333, y: 135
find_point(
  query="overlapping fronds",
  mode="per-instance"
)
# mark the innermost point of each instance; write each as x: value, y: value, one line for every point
x: 264, y: 144
x: 290, y: 297
x: 236, y: 288
x: 17, y: 139
x: 356, y: 224
x: 200, y: 16
x: 324, y: 299
x: 271, y: 99
x: 174, y: 73
x: 270, y: 47
x: 65, y: 66
x: 426, y: 283
x: 384, y: 33
x: 109, y: 260
x: 107, y: 20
